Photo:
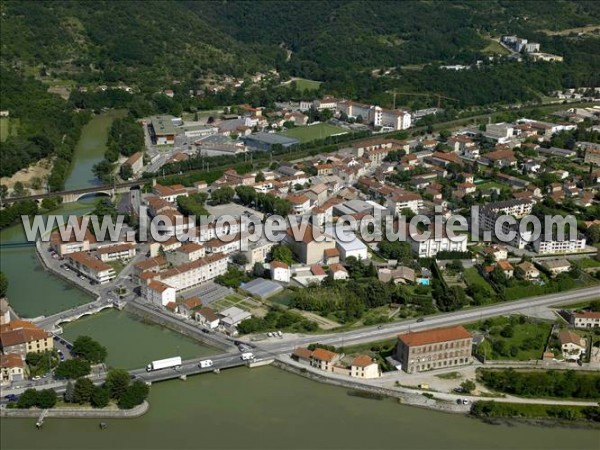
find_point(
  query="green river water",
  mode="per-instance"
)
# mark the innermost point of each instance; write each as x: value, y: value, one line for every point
x: 239, y: 408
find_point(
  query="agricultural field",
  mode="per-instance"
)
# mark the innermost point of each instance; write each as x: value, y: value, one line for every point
x: 310, y: 133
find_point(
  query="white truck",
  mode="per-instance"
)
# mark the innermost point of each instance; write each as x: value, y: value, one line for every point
x: 247, y: 356
x: 206, y: 363
x: 167, y: 363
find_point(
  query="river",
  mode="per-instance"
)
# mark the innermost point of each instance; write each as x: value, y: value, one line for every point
x: 90, y: 149
x: 239, y: 408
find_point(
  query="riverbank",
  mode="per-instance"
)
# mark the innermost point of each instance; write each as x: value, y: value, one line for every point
x: 79, y: 413
x: 405, y: 396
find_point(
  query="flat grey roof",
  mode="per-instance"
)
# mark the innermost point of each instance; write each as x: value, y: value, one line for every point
x: 162, y: 125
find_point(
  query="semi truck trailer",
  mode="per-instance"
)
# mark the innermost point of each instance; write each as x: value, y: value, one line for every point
x: 167, y: 363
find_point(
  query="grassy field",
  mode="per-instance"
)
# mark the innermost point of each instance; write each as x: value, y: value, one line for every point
x: 472, y: 277
x: 302, y: 84
x: 319, y: 131
x: 489, y: 185
x: 495, y: 47
x: 587, y: 263
x: 514, y: 338
x: 8, y: 127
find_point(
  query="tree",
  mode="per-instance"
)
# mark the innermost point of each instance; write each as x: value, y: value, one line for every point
x: 239, y: 259
x: 135, y: 394
x: 72, y: 369
x: 283, y: 253
x: 260, y: 177
x: 83, y: 390
x: 258, y: 270
x: 117, y: 382
x: 126, y: 171
x: 46, y: 398
x: 18, y: 189
x: 69, y: 392
x: 468, y: 386
x: 222, y: 195
x: 90, y: 350
x: 3, y: 284
x: 100, y: 397
x: 27, y: 399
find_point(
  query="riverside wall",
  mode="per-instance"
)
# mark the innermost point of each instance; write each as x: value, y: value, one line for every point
x: 80, y: 413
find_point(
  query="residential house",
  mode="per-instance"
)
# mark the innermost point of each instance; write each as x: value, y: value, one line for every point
x: 323, y: 359
x: 556, y: 266
x: 159, y: 293
x: 207, y: 317
x: 136, y: 162
x: 338, y: 272
x: 587, y: 319
x: 527, y: 270
x: 571, y: 344
x: 507, y: 268
x: 12, y: 368
x: 189, y: 306
x: 400, y: 275
x: 364, y: 366
x: 280, y: 271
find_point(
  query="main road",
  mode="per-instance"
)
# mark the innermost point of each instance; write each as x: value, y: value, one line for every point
x: 268, y: 350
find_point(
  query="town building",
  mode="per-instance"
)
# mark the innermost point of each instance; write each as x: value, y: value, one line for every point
x: 323, y: 359
x: 116, y: 252
x: 556, y: 266
x: 587, y: 319
x: 280, y: 271
x: 364, y: 366
x: 22, y: 337
x: 12, y: 368
x: 159, y: 293
x: 571, y: 344
x: 187, y: 253
x: 232, y: 317
x: 91, y: 267
x: 434, y: 349
x: 207, y: 317
x: 338, y: 272
x: 309, y: 250
x: 162, y: 131
x: 527, y: 270
x: 548, y: 247
x: 136, y: 162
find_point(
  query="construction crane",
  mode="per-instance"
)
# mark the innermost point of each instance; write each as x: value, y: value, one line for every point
x: 434, y: 94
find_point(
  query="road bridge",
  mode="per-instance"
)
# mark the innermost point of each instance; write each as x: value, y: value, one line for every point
x: 74, y: 195
x: 51, y: 323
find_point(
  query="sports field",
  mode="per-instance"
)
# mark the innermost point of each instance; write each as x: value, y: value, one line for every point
x: 319, y: 131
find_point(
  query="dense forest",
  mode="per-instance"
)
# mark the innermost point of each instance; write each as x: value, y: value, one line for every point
x: 346, y: 45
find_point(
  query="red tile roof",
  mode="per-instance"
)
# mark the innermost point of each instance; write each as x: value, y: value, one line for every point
x: 323, y: 355
x: 362, y: 361
x: 434, y: 336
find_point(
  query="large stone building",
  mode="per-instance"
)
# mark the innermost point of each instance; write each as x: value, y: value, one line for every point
x: 434, y: 349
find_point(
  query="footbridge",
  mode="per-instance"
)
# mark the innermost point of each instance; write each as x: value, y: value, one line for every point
x: 52, y: 323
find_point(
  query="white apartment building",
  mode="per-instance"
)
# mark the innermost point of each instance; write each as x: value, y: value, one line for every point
x: 398, y: 202
x: 116, y: 252
x: 430, y: 247
x: 194, y: 273
x: 549, y: 247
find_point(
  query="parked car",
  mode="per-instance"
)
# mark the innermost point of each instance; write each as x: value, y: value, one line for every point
x: 420, y: 319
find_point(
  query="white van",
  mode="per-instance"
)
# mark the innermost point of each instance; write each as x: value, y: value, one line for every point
x: 247, y: 356
x: 206, y: 363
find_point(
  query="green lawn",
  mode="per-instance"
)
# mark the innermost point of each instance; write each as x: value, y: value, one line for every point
x: 489, y: 185
x: 472, y: 277
x: 525, y: 341
x: 319, y: 131
x: 495, y: 47
x: 302, y: 84
x: 587, y: 263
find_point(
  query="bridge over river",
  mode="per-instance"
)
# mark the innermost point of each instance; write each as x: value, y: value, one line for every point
x: 76, y: 194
